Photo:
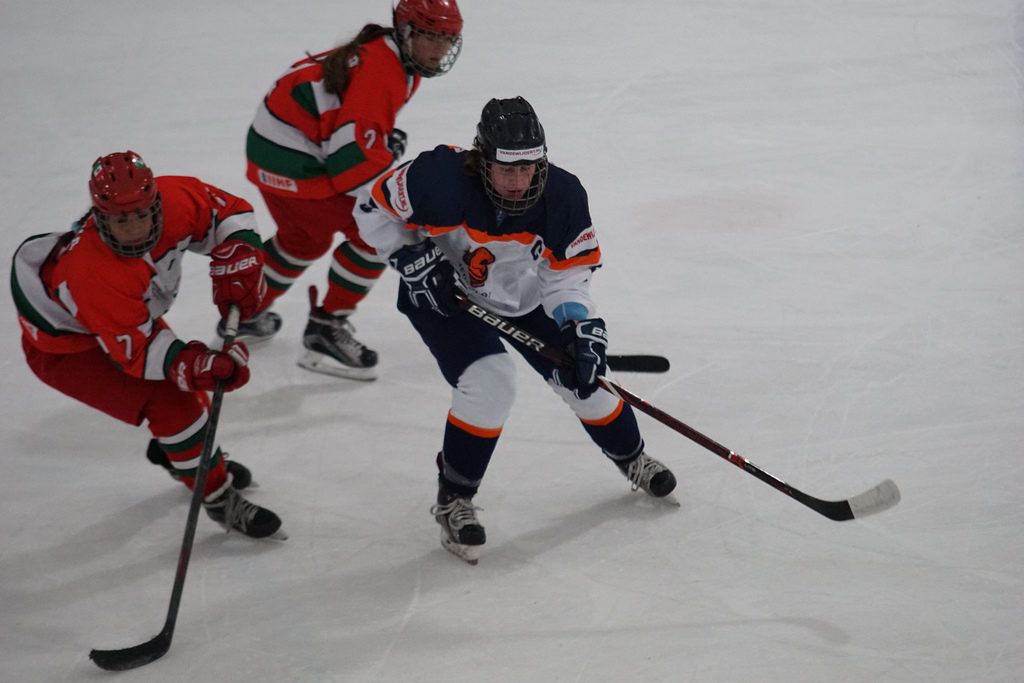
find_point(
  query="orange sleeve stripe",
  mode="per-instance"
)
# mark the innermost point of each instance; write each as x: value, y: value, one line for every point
x: 482, y: 432
x: 607, y: 419
x: 481, y: 237
x: 591, y: 258
x: 378, y: 193
x: 435, y: 230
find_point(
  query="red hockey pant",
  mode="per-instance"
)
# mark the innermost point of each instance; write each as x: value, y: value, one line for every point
x: 91, y: 378
x: 305, y: 232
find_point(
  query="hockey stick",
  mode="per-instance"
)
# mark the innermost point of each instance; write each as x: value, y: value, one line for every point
x: 876, y: 499
x: 157, y: 647
x: 638, y: 363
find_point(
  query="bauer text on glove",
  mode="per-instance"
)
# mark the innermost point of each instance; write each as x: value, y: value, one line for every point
x: 236, y: 269
x: 429, y: 277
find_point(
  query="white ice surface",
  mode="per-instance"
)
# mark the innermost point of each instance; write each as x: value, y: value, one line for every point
x: 814, y: 208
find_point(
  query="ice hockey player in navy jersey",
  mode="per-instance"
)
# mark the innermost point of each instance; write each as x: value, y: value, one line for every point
x: 514, y: 233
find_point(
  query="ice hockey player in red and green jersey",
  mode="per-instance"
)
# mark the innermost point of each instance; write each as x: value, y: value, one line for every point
x: 325, y: 129
x: 91, y: 303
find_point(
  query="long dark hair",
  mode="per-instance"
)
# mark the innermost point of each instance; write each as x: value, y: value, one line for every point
x: 336, y: 62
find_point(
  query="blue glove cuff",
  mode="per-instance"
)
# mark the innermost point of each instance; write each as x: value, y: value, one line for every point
x: 571, y: 310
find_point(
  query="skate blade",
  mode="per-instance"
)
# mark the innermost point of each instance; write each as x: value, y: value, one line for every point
x: 325, y: 365
x: 253, y: 339
x: 669, y: 500
x: 217, y: 343
x: 467, y: 553
x: 279, y: 535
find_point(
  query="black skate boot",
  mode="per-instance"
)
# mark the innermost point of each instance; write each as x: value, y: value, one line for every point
x: 258, y: 328
x: 332, y: 349
x: 241, y: 476
x: 227, y: 507
x: 461, y: 532
x: 644, y: 472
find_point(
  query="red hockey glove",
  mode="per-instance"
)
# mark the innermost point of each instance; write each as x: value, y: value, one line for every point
x: 199, y: 368
x: 236, y: 268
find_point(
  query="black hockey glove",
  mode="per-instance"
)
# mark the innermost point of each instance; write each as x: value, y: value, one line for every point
x: 586, y: 341
x: 396, y: 143
x: 429, y: 277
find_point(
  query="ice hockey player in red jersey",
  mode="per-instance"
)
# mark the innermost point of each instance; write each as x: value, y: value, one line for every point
x: 514, y: 233
x: 91, y: 303
x: 326, y: 128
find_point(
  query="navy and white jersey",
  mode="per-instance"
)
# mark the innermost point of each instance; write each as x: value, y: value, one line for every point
x: 507, y: 264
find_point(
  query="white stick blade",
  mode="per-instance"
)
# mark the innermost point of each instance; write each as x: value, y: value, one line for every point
x: 881, y: 497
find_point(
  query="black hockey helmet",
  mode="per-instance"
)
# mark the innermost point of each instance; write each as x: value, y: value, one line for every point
x: 510, y: 133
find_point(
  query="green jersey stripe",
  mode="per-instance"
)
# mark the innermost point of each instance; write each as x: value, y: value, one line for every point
x: 21, y: 302
x: 346, y: 158
x: 281, y: 160
x: 28, y: 260
x: 303, y: 94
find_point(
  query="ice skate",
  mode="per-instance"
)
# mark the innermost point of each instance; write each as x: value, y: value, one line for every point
x: 227, y: 507
x: 644, y: 472
x: 241, y: 476
x: 332, y: 349
x: 461, y: 532
x: 258, y: 328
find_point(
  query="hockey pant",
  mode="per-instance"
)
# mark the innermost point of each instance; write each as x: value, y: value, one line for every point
x: 476, y: 364
x: 177, y: 419
x: 305, y: 232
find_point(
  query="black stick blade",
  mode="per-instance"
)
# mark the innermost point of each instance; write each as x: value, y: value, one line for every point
x: 132, y: 657
x: 638, y: 363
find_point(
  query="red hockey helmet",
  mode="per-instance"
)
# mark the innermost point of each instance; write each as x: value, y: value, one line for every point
x: 437, y: 16
x: 123, y: 192
x: 429, y: 35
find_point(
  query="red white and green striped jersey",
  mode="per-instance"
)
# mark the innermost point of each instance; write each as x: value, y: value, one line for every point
x: 74, y: 293
x: 308, y: 142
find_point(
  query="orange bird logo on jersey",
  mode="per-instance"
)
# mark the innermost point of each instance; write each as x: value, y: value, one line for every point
x: 478, y: 260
